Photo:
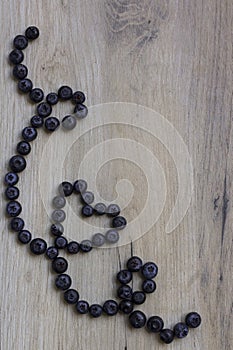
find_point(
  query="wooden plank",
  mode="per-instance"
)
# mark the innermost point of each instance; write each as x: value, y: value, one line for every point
x: 174, y: 58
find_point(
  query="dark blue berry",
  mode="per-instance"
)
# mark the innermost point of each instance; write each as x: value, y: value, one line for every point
x: 60, y: 242
x: 82, y: 307
x: 25, y: 85
x: 63, y: 281
x: 20, y: 71
x: 87, y: 210
x: 13, y: 208
x: 155, y: 324
x: 12, y: 192
x: 124, y: 276
x: 148, y: 286
x: 138, y: 297
x: 16, y: 56
x: 11, y: 179
x: 32, y: 33
x: 17, y: 224
x: 110, y: 307
x: 119, y: 222
x: 72, y: 247
x: 52, y: 252
x: 137, y: 319
x: 23, y: 148
x: 193, y: 320
x: 125, y: 292
x: 95, y: 310
x: 20, y: 42
x: 24, y: 236
x: 181, y: 330
x: 59, y: 265
x: 51, y: 124
x: 126, y: 306
x: 65, y: 92
x: 149, y: 270
x: 38, y: 246
x: 85, y: 246
x: 65, y: 188
x: 78, y: 97
x: 134, y: 264
x: 37, y: 121
x: 36, y: 95
x: 52, y: 98
x: 71, y: 296
x: 57, y: 229
x: 17, y: 163
x: 44, y: 109
x: 166, y: 336
x: 29, y: 133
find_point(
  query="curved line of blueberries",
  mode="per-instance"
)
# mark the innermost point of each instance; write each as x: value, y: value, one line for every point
x: 38, y: 246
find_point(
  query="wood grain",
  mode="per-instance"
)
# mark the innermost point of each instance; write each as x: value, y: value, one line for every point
x: 174, y: 57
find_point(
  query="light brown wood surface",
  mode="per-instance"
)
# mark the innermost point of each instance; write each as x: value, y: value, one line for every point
x: 174, y: 57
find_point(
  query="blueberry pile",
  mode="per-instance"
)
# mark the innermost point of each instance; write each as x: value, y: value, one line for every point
x: 127, y: 297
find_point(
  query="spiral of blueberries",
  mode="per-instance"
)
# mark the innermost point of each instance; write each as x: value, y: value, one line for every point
x: 43, y: 119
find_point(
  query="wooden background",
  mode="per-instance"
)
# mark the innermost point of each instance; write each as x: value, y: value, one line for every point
x: 174, y: 57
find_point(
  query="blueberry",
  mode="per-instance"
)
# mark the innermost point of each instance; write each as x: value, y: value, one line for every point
x: 29, y: 133
x: 95, y: 310
x: 59, y: 265
x: 110, y: 307
x: 60, y: 242
x: 134, y: 264
x: 44, y: 109
x: 63, y: 281
x: 17, y: 163
x: 166, y: 336
x: 16, y: 56
x: 87, y: 210
x: 124, y: 276
x: 37, y: 121
x: 149, y: 270
x: 82, y: 307
x: 65, y: 92
x: 36, y: 95
x: 11, y: 178
x: 23, y: 148
x: 181, y: 330
x: 17, y: 224
x: 78, y: 97
x: 32, y: 33
x: 65, y: 188
x: 193, y: 320
x: 71, y: 296
x: 24, y: 236
x: 57, y: 229
x: 13, y: 208
x: 137, y: 319
x: 12, y: 192
x: 119, y: 222
x: 25, y: 85
x: 125, y: 292
x: 20, y: 71
x: 52, y: 252
x: 138, y: 297
x: 86, y: 246
x: 148, y: 286
x: 20, y: 42
x: 155, y: 324
x: 52, y: 98
x: 51, y: 124
x: 38, y: 246
x: 126, y: 306
x: 73, y: 247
